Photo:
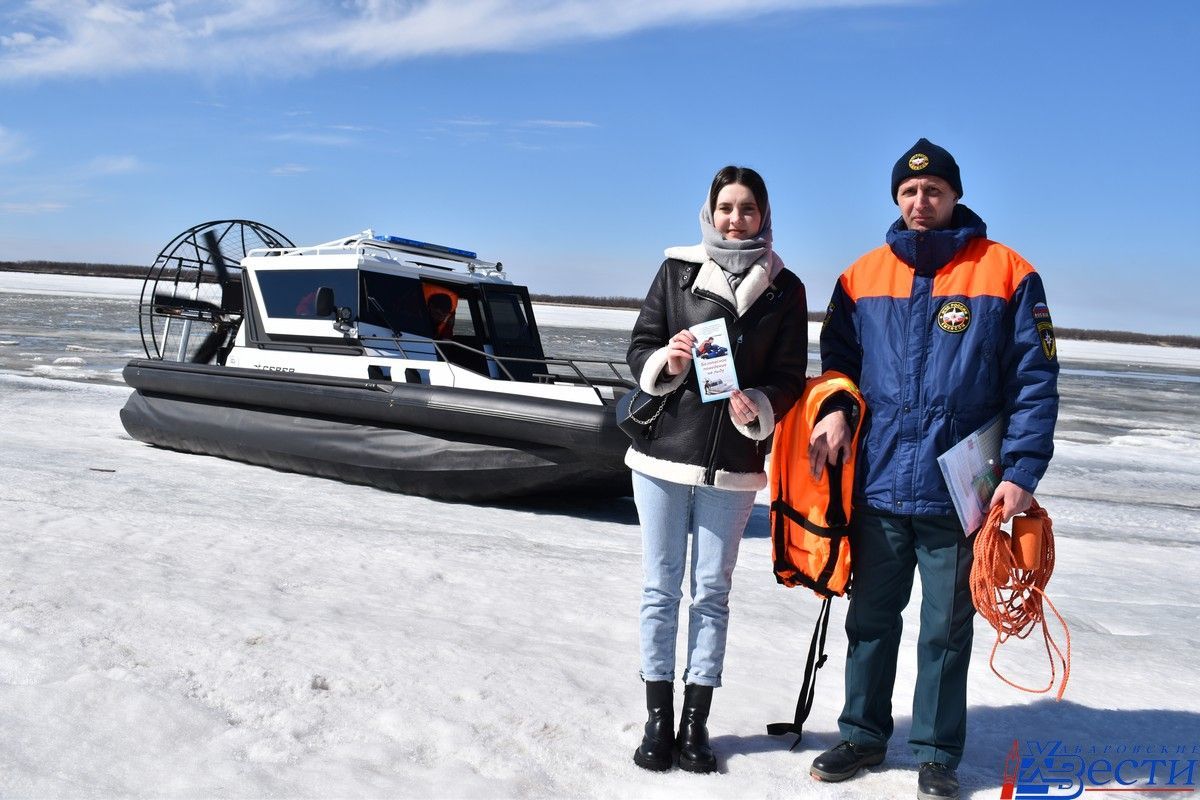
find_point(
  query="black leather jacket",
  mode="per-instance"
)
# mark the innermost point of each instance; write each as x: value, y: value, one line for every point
x: 770, y: 352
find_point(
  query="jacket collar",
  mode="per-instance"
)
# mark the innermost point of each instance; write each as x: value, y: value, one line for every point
x: 928, y: 251
x: 711, y: 279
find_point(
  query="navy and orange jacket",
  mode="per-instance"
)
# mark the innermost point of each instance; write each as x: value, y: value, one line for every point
x: 941, y: 331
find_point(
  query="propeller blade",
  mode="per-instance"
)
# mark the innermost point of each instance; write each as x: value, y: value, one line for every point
x: 215, y: 255
x: 231, y: 287
x: 209, y: 347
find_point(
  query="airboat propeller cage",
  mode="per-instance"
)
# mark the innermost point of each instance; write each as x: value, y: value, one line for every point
x: 371, y: 358
x: 195, y: 281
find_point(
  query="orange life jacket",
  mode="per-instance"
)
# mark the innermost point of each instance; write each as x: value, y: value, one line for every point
x: 810, y: 522
x: 809, y: 517
x: 442, y: 310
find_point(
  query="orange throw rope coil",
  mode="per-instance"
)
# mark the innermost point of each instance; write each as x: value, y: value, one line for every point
x: 1008, y: 581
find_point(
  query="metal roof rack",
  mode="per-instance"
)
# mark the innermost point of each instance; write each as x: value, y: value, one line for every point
x: 359, y: 243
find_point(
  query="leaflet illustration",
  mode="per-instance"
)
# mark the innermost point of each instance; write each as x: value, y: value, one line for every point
x: 713, y: 359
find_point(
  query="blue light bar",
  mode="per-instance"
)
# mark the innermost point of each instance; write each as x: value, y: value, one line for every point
x: 437, y: 248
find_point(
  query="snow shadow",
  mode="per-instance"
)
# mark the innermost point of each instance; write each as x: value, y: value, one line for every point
x: 813, y: 742
x: 1098, y: 733
x: 620, y: 510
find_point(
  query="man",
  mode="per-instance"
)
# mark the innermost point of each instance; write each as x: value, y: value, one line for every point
x: 941, y: 329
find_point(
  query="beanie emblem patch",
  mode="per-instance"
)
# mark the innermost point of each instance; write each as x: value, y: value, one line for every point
x: 918, y: 162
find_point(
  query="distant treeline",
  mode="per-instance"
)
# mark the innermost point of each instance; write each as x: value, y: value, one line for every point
x: 133, y: 271
x: 1122, y: 337
x: 1128, y: 337
x: 581, y: 300
x: 616, y: 302
x: 75, y: 268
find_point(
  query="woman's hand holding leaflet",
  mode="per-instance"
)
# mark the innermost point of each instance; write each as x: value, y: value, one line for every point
x: 679, y: 352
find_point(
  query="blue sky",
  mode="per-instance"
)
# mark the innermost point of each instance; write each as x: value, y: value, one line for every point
x: 575, y: 140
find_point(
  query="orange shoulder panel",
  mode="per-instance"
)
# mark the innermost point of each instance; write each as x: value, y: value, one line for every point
x: 877, y: 274
x: 983, y: 268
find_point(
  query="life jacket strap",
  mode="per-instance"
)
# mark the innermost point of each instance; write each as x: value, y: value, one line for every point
x: 804, y: 522
x: 816, y: 660
x: 785, y: 571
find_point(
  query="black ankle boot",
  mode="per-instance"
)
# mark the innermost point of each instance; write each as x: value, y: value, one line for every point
x: 937, y: 782
x: 695, y: 754
x: 657, y: 751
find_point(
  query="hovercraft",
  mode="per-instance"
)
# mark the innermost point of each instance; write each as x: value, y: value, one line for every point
x: 371, y: 359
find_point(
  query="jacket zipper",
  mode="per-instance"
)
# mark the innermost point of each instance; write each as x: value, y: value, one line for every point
x: 714, y: 435
x: 720, y: 301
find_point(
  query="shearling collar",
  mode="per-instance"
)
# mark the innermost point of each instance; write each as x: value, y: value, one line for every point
x: 712, y: 280
x: 692, y: 253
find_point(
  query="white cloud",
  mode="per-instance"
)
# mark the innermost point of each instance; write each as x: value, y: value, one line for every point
x: 467, y: 130
x: 470, y: 122
x: 12, y: 147
x: 31, y: 208
x: 312, y: 137
x: 286, y: 170
x: 558, y: 123
x: 45, y: 192
x: 112, y: 165
x: 271, y: 37
x: 18, y: 39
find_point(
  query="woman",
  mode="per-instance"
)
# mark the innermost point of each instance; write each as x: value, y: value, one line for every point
x: 700, y: 470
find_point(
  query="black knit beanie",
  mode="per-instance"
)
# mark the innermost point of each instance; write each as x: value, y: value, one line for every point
x: 926, y: 158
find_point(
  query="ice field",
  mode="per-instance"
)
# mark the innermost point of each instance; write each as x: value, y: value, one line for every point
x: 174, y: 625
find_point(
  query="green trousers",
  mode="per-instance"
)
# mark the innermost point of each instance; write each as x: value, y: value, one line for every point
x: 886, y: 549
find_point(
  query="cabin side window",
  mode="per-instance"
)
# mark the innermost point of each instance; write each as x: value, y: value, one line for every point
x: 451, y: 308
x: 395, y: 302
x: 508, y: 316
x: 464, y: 323
x: 292, y: 294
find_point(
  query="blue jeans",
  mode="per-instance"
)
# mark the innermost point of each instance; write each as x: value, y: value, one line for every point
x: 716, y: 518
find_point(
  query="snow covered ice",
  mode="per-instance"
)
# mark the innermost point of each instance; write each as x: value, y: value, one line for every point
x: 175, y: 625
